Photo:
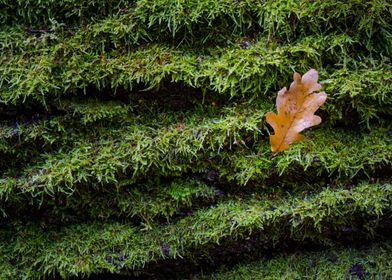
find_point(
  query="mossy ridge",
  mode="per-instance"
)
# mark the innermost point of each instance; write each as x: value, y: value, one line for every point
x: 217, y: 145
x: 300, y: 216
x: 139, y: 148
x: 221, y: 70
x: 111, y: 121
x: 332, y: 152
x: 199, y: 25
x: 83, y: 249
x: 144, y: 20
x: 155, y: 62
x: 149, y: 204
x: 25, y: 137
x: 231, y: 71
x: 359, y: 94
x: 370, y: 262
x: 142, y: 204
x: 62, y: 118
x: 39, y: 13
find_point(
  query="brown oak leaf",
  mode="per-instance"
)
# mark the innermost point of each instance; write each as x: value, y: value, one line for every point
x: 296, y: 108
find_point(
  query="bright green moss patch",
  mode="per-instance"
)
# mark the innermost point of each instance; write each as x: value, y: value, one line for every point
x: 192, y: 21
x: 219, y: 144
x: 147, y: 147
x: 257, y: 71
x: 234, y: 70
x: 365, y: 92
x: 366, y: 152
x: 221, y: 70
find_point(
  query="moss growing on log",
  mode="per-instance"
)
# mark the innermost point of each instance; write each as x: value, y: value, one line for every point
x: 133, y: 132
x: 342, y: 263
x: 95, y: 247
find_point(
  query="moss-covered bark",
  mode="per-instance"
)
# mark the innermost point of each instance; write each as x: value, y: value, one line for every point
x: 132, y: 133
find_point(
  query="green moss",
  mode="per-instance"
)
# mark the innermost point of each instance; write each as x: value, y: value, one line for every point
x: 139, y: 150
x: 217, y: 144
x: 371, y: 262
x: 363, y: 91
x: 40, y: 13
x: 143, y: 203
x: 255, y: 72
x: 190, y: 21
x: 88, y: 248
x: 113, y: 113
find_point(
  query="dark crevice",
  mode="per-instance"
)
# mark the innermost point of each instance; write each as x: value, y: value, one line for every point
x: 169, y: 97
